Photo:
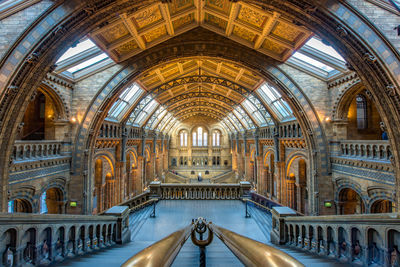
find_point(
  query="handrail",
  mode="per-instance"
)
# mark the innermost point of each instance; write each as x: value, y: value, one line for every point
x: 141, y: 205
x: 163, y: 252
x: 256, y: 203
x: 251, y: 252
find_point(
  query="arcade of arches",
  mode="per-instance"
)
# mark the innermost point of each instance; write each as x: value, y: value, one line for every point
x: 100, y: 99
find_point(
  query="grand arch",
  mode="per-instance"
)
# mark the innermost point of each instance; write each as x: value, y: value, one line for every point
x: 29, y: 59
x: 217, y: 48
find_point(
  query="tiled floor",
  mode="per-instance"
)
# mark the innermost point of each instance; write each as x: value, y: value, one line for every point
x: 174, y: 214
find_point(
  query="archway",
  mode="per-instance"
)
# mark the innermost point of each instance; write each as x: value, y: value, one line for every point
x: 8, y: 245
x: 382, y: 206
x: 19, y: 205
x: 350, y: 202
x: 296, y: 184
x: 133, y: 184
x: 52, y: 201
x: 344, y: 36
x: 104, y: 193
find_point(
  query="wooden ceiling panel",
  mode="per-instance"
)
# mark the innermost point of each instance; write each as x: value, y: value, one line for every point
x: 147, y: 17
x: 267, y: 32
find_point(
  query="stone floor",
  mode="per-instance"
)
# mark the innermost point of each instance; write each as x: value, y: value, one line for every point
x: 172, y: 215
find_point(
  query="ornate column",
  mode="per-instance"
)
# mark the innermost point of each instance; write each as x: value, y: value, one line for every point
x: 246, y: 158
x: 279, y: 174
x: 166, y: 153
x: 141, y: 162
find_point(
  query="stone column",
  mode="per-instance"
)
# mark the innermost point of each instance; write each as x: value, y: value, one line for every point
x: 259, y: 175
x: 140, y: 174
x: 280, y: 181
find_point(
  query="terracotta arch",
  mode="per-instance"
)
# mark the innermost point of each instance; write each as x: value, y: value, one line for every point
x: 55, y: 95
x: 74, y: 21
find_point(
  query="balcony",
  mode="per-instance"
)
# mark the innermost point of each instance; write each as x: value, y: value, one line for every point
x: 38, y: 150
x: 375, y: 150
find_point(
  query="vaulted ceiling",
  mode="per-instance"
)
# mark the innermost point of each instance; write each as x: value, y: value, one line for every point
x: 189, y: 85
x: 268, y: 32
x: 199, y: 86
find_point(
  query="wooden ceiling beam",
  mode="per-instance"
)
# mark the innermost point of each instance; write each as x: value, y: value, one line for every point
x: 167, y: 17
x: 232, y: 17
x: 133, y: 31
x: 267, y: 29
x: 199, y: 15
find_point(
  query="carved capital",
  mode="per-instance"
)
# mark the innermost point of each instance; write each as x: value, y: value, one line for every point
x: 341, y: 31
x: 13, y: 89
x: 32, y: 58
x: 33, y: 95
x: 391, y: 90
x: 368, y: 57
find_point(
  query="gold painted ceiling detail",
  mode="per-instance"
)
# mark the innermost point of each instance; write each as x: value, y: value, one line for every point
x: 268, y: 32
x: 190, y: 97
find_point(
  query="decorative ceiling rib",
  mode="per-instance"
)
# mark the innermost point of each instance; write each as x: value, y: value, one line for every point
x: 268, y: 32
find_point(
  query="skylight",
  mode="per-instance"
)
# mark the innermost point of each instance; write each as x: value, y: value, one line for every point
x: 79, y: 48
x: 319, y: 45
x: 274, y: 99
x: 312, y: 62
x: 126, y: 99
x: 87, y: 63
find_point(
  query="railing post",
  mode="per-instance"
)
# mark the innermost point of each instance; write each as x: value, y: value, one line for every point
x: 122, y: 231
x: 153, y: 214
x: 247, y: 212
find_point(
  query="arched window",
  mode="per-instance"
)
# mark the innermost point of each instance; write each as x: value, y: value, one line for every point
x: 183, y: 137
x: 194, y: 139
x: 362, y: 118
x: 216, y: 138
x: 200, y: 137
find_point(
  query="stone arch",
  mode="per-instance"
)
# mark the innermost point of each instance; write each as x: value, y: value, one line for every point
x: 341, y: 106
x: 103, y: 181
x: 131, y: 184
x: 314, y: 136
x: 350, y: 201
x: 56, y: 96
x: 346, y: 111
x: 134, y: 155
x: 269, y: 171
x: 26, y: 195
x: 71, y: 22
x: 381, y: 194
x: 297, y: 181
x: 56, y: 196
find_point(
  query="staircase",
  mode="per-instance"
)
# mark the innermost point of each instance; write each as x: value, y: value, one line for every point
x: 264, y: 221
x: 226, y: 177
x: 172, y: 215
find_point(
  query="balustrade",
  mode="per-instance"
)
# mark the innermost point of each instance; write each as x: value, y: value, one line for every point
x: 199, y: 191
x: 367, y: 149
x: 362, y: 240
x: 28, y: 150
x: 52, y: 238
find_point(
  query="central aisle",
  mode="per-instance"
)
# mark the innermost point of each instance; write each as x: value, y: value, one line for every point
x: 172, y: 215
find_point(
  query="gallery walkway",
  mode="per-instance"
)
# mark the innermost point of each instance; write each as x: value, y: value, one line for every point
x: 172, y: 215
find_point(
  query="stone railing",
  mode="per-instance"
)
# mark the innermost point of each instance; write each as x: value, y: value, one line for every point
x: 34, y: 150
x: 33, y: 239
x: 366, y: 149
x: 137, y: 200
x: 200, y: 191
x: 262, y: 200
x: 224, y: 177
x: 173, y: 177
x: 362, y: 240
